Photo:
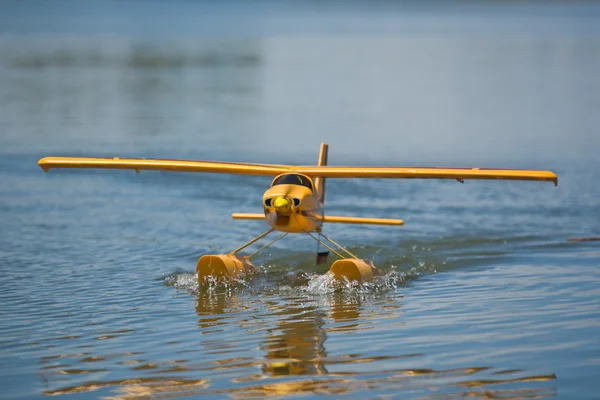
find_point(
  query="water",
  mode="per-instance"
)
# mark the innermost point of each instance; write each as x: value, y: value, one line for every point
x: 481, y: 294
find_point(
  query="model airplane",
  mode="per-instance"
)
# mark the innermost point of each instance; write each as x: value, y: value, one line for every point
x: 294, y: 202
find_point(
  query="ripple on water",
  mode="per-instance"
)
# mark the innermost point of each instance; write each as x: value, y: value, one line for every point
x: 288, y: 279
x: 265, y: 336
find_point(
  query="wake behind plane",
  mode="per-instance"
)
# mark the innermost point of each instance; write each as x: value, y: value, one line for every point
x: 294, y: 203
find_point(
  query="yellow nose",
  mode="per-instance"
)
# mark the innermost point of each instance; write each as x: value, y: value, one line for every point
x: 282, y: 205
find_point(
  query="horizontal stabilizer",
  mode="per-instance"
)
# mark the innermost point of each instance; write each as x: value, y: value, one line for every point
x: 247, y: 216
x: 331, y: 219
x: 368, y: 221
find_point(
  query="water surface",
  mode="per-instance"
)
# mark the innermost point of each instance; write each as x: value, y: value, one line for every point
x: 481, y: 295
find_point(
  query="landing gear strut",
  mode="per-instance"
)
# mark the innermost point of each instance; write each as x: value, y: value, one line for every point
x: 232, y: 266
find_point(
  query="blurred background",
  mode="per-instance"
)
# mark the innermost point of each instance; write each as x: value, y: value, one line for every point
x: 381, y: 81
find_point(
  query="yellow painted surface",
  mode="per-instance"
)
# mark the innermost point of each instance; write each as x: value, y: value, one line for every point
x: 353, y: 270
x: 282, y: 204
x: 320, y: 182
x: 356, y: 220
x: 163, y: 165
x: 302, y: 215
x: 425, y: 173
x: 291, y: 207
x: 331, y: 219
x: 289, y: 204
x: 223, y: 266
x: 311, y: 171
x: 255, y: 216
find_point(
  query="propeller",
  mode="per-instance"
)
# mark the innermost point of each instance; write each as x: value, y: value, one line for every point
x: 283, y: 205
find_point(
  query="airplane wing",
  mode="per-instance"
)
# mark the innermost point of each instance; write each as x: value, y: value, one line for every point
x: 138, y: 164
x: 426, y: 173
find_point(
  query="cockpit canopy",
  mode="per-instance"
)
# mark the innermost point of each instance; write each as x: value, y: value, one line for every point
x: 294, y: 179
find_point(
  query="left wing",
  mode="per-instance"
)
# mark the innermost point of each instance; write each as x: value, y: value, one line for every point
x: 138, y: 164
x: 426, y: 173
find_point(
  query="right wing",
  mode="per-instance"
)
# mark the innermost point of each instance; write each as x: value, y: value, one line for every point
x: 138, y: 164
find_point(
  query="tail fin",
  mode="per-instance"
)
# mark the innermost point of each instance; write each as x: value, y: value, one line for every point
x: 320, y: 182
x: 320, y: 187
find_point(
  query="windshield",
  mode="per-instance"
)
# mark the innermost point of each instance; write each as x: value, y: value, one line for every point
x: 293, y: 179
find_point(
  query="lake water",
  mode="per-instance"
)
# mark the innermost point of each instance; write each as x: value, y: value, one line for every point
x: 482, y: 295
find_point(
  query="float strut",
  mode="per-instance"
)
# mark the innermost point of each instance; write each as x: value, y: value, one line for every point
x: 340, y: 247
x: 267, y: 245
x: 256, y: 239
x: 328, y: 247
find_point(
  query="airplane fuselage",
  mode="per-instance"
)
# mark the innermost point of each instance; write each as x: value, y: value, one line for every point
x: 292, y: 204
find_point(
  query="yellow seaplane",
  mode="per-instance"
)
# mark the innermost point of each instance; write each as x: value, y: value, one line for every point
x: 294, y: 203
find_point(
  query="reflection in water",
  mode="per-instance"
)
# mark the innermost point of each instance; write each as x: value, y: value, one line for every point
x: 213, y: 308
x: 329, y: 386
x: 291, y: 330
x: 296, y: 346
x: 162, y: 382
x: 139, y: 387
